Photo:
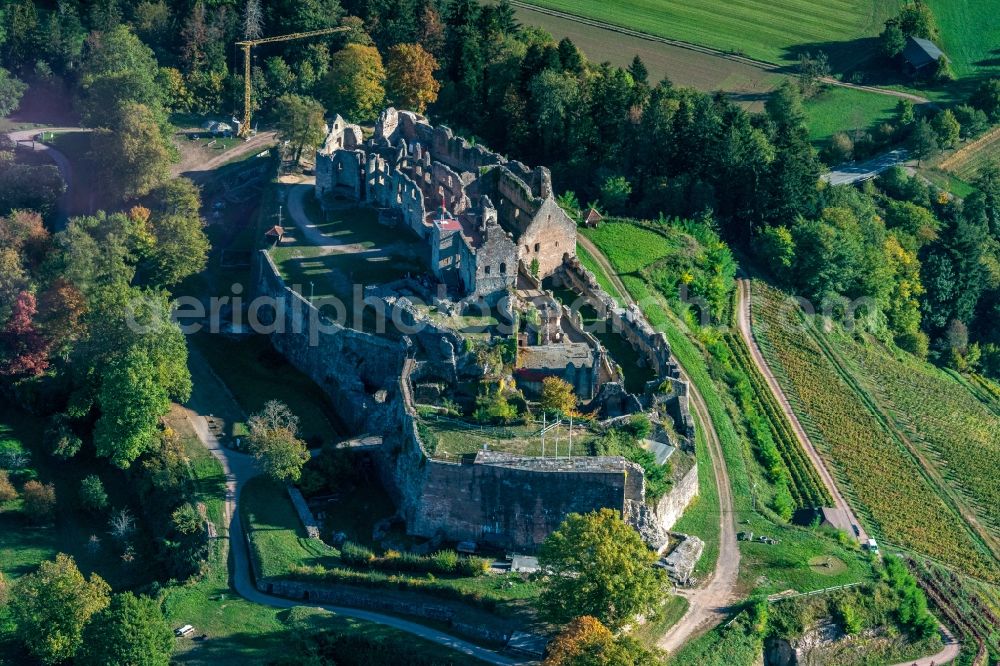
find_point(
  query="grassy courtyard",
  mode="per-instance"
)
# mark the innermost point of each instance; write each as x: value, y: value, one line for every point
x: 357, y: 252
x: 454, y: 438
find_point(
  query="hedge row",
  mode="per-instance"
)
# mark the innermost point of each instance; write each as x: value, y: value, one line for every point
x: 378, y: 580
x: 443, y: 562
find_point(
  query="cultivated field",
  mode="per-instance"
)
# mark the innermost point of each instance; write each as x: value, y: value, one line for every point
x: 769, y: 30
x: 881, y: 476
x: 970, y: 158
x: 743, y: 82
x: 957, y: 432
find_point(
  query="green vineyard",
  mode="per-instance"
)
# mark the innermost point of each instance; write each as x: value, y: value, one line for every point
x: 957, y: 432
x: 886, y: 484
x: 806, y: 487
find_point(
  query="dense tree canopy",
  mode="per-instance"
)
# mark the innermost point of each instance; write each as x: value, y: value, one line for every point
x: 52, y: 606
x: 130, y: 631
x: 599, y: 566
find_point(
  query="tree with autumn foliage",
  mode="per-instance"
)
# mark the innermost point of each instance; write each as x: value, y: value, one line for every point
x: 409, y: 77
x: 587, y: 642
x: 598, y: 565
x: 25, y: 352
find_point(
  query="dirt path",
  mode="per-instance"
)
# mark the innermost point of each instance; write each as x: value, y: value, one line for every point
x: 744, y: 320
x: 761, y: 64
x: 210, y: 396
x: 708, y: 604
x: 193, y: 164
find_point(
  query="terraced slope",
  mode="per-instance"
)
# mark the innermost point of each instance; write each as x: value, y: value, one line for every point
x: 872, y: 456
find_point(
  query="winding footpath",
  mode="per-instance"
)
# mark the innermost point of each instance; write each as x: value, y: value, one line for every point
x: 21, y: 137
x: 709, y: 604
x: 744, y: 323
x: 210, y: 396
x: 708, y: 50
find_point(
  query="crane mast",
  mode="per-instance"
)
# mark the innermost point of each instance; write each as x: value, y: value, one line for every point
x: 246, y: 46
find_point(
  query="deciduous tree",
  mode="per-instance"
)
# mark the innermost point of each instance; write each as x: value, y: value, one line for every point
x: 39, y: 500
x: 132, y: 155
x: 132, y: 400
x: 587, y: 642
x: 131, y: 630
x: 93, y: 497
x: 11, y: 90
x: 597, y: 565
x: 7, y: 490
x: 558, y: 396
x: 51, y: 607
x: 300, y: 122
x: 275, y: 444
x: 355, y: 85
x: 410, y: 82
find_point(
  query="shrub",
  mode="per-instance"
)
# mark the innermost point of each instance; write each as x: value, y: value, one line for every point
x: 39, y: 500
x: 92, y: 494
x: 60, y: 440
x: 7, y: 490
x: 443, y: 562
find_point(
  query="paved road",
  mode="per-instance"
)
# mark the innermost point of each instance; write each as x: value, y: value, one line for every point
x: 743, y: 320
x: 708, y: 604
x: 210, y: 396
x: 62, y: 162
x: 847, y: 174
x: 761, y: 64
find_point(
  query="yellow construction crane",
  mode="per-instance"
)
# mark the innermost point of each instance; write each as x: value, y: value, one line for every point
x: 245, y: 125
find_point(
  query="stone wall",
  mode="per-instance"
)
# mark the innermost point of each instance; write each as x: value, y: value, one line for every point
x: 505, y: 500
x: 633, y: 326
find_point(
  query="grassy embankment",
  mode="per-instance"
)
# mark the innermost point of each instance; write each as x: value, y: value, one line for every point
x: 255, y: 373
x: 764, y: 568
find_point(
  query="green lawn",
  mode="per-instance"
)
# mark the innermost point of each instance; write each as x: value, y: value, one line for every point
x: 256, y: 373
x: 278, y: 541
x: 369, y: 253
x: 770, y: 30
x: 241, y: 632
x: 970, y: 35
x: 457, y: 438
x: 844, y: 110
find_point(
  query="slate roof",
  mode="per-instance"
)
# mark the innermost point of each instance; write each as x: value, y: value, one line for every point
x: 921, y: 52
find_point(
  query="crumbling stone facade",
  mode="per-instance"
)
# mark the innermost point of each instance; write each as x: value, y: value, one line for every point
x: 481, y: 214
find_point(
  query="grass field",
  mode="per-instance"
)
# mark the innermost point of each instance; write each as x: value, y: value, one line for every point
x: 970, y: 35
x: 366, y: 253
x: 456, y: 438
x: 256, y: 373
x: 844, y: 110
x: 278, y: 541
x: 742, y: 82
x: 769, y: 30
x: 888, y: 487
